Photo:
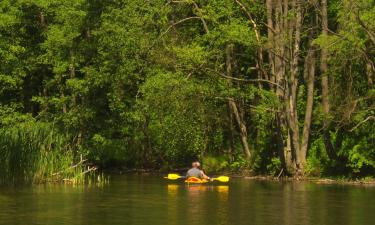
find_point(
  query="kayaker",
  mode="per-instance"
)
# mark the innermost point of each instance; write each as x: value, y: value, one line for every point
x: 196, y: 172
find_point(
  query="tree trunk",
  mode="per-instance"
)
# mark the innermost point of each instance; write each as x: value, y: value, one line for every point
x: 72, y: 74
x: 370, y: 73
x: 294, y: 125
x: 231, y: 133
x: 284, y: 33
x: 280, y: 50
x: 270, y: 30
x: 325, y: 85
x: 310, y: 78
x: 243, y: 130
x: 233, y: 106
x: 64, y: 106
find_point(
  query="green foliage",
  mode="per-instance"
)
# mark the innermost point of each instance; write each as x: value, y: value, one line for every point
x: 274, y: 167
x: 317, y: 160
x: 359, y: 158
x: 360, y: 153
x: 35, y: 152
x: 215, y: 164
x: 239, y: 164
x: 234, y: 31
x: 177, y: 116
x: 351, y: 100
x: 134, y: 83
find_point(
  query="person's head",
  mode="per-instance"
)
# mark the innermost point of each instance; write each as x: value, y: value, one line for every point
x: 195, y: 164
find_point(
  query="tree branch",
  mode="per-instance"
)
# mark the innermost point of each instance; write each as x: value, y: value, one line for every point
x: 364, y: 26
x: 362, y: 122
x: 176, y: 23
x: 203, y: 21
x: 247, y: 80
x: 197, y: 8
x: 243, y: 7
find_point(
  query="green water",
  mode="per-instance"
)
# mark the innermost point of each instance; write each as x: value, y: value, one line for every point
x: 150, y: 200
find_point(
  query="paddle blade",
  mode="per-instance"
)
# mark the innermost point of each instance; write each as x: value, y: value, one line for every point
x: 222, y: 179
x: 173, y: 176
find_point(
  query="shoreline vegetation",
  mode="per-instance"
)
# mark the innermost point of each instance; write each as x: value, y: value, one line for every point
x: 367, y: 181
x: 38, y: 153
x: 279, y: 88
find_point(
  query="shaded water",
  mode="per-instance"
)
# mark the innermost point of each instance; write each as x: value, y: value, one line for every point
x: 150, y: 200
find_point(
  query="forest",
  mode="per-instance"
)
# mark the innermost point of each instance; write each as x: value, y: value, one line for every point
x: 263, y: 86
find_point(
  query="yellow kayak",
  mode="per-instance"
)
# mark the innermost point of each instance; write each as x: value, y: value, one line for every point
x: 196, y: 180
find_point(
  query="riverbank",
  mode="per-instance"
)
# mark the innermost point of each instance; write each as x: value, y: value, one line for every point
x: 368, y: 181
x: 317, y: 180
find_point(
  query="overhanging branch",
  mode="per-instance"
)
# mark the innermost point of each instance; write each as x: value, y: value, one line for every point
x: 247, y: 80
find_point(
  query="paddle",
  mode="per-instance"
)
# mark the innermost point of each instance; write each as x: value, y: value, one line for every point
x: 173, y: 176
x: 221, y: 179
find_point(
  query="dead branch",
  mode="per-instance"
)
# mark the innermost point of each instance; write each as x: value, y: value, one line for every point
x: 362, y: 122
x: 195, y: 5
x: 72, y: 167
x: 364, y: 26
x: 247, y: 80
x: 176, y: 23
x: 250, y: 106
x: 202, y: 19
x: 281, y: 172
x: 243, y: 7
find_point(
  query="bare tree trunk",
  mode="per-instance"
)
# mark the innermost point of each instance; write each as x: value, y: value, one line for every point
x: 276, y: 76
x: 279, y: 49
x: 42, y: 20
x: 370, y: 73
x: 64, y: 107
x: 310, y: 78
x: 45, y: 96
x: 44, y: 93
x: 72, y: 73
x: 243, y: 130
x: 233, y: 106
x: 270, y: 30
x: 231, y: 133
x: 228, y: 52
x: 325, y: 85
x: 284, y: 33
x: 294, y: 125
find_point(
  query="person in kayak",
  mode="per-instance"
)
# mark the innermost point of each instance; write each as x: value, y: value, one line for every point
x: 196, y: 172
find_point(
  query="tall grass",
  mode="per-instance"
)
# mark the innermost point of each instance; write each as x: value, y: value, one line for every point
x: 36, y: 152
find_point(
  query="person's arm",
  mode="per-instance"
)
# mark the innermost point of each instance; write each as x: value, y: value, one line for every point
x: 204, y: 176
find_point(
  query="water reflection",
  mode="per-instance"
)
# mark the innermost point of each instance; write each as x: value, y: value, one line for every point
x: 198, y: 204
x: 223, y: 191
x: 144, y: 201
x: 195, y: 206
x: 207, y: 203
x: 172, y: 189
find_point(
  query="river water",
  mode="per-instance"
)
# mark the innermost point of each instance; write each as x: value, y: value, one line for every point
x: 151, y: 200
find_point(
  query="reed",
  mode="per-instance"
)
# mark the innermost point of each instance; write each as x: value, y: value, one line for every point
x: 36, y: 152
